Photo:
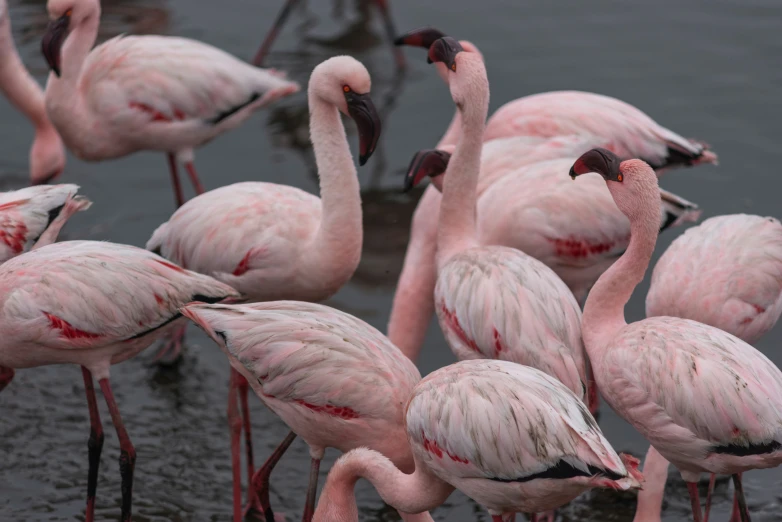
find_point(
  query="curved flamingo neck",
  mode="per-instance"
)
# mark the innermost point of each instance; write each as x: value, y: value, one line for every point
x: 16, y: 83
x: 457, y: 229
x: 604, y: 308
x: 74, y: 52
x: 453, y: 132
x: 336, y: 246
x: 414, y: 493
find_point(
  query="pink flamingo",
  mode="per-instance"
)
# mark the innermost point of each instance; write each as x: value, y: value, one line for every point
x: 292, y: 353
x: 274, y: 241
x: 622, y: 127
x: 32, y: 217
x: 508, y: 436
x: 727, y: 273
x: 47, y: 154
x: 136, y: 93
x: 494, y: 301
x: 93, y: 304
x: 266, y: 45
x: 706, y: 400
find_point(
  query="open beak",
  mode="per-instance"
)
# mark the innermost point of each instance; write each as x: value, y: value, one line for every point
x: 423, y: 37
x: 427, y: 162
x: 363, y: 112
x: 445, y: 50
x: 55, y: 35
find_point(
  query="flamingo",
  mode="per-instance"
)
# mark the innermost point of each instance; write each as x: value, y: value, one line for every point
x: 93, y: 304
x: 333, y: 379
x: 47, y: 154
x: 136, y: 93
x: 622, y: 127
x: 705, y: 399
x: 727, y: 273
x: 273, y: 241
x: 266, y: 45
x: 508, y: 436
x: 32, y: 217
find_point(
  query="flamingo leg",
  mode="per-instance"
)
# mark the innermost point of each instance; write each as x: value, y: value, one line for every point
x: 180, y: 198
x: 259, y: 490
x: 712, y: 481
x: 6, y: 376
x: 496, y: 518
x: 171, y: 351
x: 692, y: 488
x: 127, y: 458
x: 312, y: 491
x: 534, y: 517
x: 242, y: 388
x: 235, y: 426
x: 399, y: 56
x: 191, y: 171
x: 273, y: 32
x: 739, y: 494
x: 735, y: 514
x: 94, y: 444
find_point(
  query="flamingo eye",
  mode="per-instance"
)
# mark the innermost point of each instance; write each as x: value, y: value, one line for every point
x: 346, y: 88
x: 619, y: 177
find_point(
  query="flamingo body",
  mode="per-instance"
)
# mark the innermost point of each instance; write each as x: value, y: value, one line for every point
x: 92, y: 303
x: 726, y: 272
x: 499, y: 303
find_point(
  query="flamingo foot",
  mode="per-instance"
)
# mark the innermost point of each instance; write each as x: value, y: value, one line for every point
x: 171, y: 352
x: 6, y: 376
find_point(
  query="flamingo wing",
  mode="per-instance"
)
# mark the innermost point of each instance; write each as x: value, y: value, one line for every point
x: 69, y: 293
x: 726, y: 273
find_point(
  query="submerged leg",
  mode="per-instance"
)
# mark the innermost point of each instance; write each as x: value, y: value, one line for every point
x: 391, y: 31
x: 235, y: 426
x: 171, y: 351
x: 312, y: 491
x: 6, y: 376
x: 742, y: 502
x: 260, y: 56
x: 178, y: 196
x: 94, y: 444
x: 259, y: 489
x: 191, y: 171
x: 127, y: 457
x: 695, y: 501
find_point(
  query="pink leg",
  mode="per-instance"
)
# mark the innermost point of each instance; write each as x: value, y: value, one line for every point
x: 94, y: 444
x: 496, y: 518
x: 739, y: 500
x: 391, y: 31
x: 180, y: 198
x: 127, y: 458
x: 72, y: 206
x: 235, y: 425
x: 260, y: 56
x: 260, y: 505
x: 242, y: 387
x: 312, y: 491
x: 191, y: 171
x: 695, y: 501
x: 707, y: 509
x: 6, y: 376
x: 735, y: 514
x: 171, y: 351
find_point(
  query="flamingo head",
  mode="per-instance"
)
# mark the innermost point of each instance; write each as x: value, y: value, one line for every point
x: 427, y: 162
x: 345, y: 83
x: 425, y: 37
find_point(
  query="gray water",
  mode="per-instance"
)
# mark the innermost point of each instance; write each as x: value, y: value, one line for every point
x: 705, y: 69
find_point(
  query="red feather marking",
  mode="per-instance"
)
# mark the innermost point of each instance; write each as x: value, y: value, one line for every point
x: 453, y: 323
x: 579, y: 248
x: 16, y: 238
x: 432, y: 447
x: 497, y: 342
x: 68, y: 331
x: 759, y: 309
x: 172, y: 266
x: 159, y: 299
x: 342, y: 412
x: 143, y: 107
x: 243, y: 265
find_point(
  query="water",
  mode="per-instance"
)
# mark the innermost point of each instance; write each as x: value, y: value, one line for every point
x: 704, y: 69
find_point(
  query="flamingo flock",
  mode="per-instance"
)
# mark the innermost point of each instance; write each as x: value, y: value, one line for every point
x: 527, y: 271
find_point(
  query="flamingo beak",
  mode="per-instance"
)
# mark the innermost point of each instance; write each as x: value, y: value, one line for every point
x: 363, y: 112
x: 445, y: 50
x: 599, y: 160
x: 423, y: 37
x: 427, y: 162
x: 55, y: 35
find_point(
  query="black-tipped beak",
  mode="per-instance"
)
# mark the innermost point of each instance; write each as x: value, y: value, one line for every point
x: 445, y: 50
x: 599, y: 160
x: 363, y: 112
x: 573, y: 174
x: 427, y: 162
x: 53, y: 39
x: 423, y: 37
